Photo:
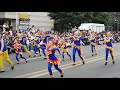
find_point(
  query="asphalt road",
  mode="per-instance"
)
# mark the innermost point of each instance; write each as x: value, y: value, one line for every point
x: 94, y: 67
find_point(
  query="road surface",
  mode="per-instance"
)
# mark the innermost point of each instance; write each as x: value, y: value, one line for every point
x: 94, y: 67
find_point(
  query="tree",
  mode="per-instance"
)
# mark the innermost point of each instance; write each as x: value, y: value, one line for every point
x: 68, y: 20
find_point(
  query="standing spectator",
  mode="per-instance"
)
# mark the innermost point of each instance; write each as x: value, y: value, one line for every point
x: 11, y: 33
x: 32, y: 36
x: 27, y: 43
x: 33, y: 29
x: 5, y: 27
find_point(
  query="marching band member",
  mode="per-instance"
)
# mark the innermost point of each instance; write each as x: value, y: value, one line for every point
x: 109, y: 47
x: 77, y: 46
x: 52, y: 59
x: 93, y: 44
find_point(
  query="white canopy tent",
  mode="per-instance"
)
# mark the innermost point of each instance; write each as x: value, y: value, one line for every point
x: 84, y: 27
x: 92, y: 26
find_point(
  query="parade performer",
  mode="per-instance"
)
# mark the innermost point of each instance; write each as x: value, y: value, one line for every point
x: 56, y: 41
x: 23, y: 44
x: 93, y: 44
x: 64, y: 49
x: 77, y: 46
x: 4, y: 54
x: 37, y: 46
x: 18, y: 51
x: 109, y: 47
x: 44, y: 43
x: 52, y: 59
x: 59, y: 42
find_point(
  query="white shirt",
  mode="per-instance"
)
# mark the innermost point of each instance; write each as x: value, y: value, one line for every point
x: 4, y: 28
x: 32, y: 37
x: 33, y: 30
x: 41, y: 42
x: 11, y: 33
x: 27, y: 42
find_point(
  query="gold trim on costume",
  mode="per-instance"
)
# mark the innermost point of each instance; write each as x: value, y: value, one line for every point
x: 94, y: 44
x: 110, y: 48
x: 78, y: 47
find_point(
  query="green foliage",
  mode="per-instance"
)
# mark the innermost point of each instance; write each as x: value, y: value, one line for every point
x: 68, y: 20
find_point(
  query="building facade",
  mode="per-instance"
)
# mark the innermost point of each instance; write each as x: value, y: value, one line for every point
x: 40, y: 20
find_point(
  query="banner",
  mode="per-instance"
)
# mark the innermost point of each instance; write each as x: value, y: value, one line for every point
x: 24, y: 16
x: 24, y: 21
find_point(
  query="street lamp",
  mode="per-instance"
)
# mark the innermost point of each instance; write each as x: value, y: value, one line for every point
x: 116, y: 25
